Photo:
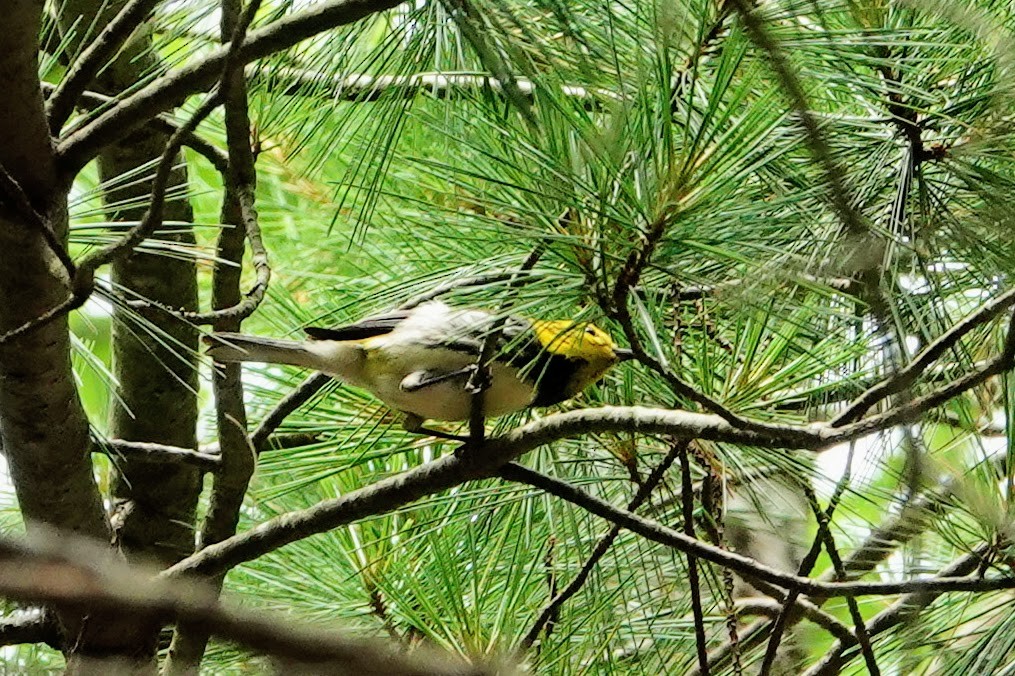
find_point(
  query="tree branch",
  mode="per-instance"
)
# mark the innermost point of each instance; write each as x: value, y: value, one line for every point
x: 81, y: 73
x: 742, y: 564
x: 361, y: 87
x: 285, y: 407
x: 84, y: 142
x: 693, y: 582
x: 876, y: 548
x: 238, y: 455
x: 72, y: 302
x: 468, y: 464
x: 160, y: 453
x: 903, y: 378
x: 839, y: 571
x: 901, y: 611
x: 644, y: 492
x: 163, y: 124
x: 83, y: 282
x: 60, y: 570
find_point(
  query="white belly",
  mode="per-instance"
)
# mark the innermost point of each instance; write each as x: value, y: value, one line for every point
x: 387, y: 368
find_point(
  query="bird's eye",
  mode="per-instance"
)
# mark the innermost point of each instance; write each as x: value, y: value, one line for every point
x: 590, y: 330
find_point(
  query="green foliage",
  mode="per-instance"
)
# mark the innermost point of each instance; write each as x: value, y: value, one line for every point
x: 679, y: 119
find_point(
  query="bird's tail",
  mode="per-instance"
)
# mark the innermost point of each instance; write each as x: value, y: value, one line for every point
x: 236, y: 347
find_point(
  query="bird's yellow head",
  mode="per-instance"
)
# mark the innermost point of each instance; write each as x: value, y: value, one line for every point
x: 588, y: 350
x: 578, y: 340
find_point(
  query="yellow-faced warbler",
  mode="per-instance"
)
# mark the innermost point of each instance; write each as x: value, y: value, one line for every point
x: 418, y: 361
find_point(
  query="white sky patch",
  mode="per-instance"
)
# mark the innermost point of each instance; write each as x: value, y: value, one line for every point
x: 866, y: 453
x: 96, y: 306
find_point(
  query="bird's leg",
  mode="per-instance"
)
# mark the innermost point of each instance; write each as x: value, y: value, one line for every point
x: 418, y: 380
x: 414, y: 425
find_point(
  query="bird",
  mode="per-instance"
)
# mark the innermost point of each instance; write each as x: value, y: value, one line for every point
x: 419, y: 361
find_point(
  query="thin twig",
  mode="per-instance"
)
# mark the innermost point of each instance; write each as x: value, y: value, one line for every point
x: 644, y: 491
x: 802, y: 608
x: 903, y: 610
x: 480, y: 378
x: 153, y: 216
x: 617, y: 307
x: 693, y: 582
x: 913, y: 409
x: 259, y: 257
x: 300, y: 395
x: 908, y: 375
x: 81, y: 73
x: 71, y: 303
x: 151, y: 452
x: 22, y: 204
x: 825, y: 533
x: 876, y: 548
x: 364, y: 87
x: 693, y: 292
x: 741, y: 564
x: 782, y: 621
x: 771, y: 609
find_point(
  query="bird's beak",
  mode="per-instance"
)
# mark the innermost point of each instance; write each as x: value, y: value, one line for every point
x: 623, y: 354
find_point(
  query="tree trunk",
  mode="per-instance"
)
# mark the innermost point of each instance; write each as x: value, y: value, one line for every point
x: 154, y: 504
x: 42, y: 423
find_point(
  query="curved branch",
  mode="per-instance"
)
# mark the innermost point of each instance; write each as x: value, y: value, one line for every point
x: 742, y: 564
x: 61, y: 104
x: 84, y: 142
x: 59, y: 569
x: 161, y: 123
x: 285, y: 407
x: 467, y: 465
x: 908, y: 375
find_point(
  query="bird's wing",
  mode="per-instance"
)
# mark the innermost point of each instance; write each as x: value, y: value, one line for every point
x: 361, y: 330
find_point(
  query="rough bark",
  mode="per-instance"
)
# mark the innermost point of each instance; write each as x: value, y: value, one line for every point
x: 42, y: 423
x: 154, y: 503
x: 230, y: 483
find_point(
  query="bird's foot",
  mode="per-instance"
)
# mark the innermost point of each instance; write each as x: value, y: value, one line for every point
x: 418, y: 380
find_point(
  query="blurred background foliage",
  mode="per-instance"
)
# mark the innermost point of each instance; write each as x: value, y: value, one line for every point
x: 620, y: 114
